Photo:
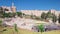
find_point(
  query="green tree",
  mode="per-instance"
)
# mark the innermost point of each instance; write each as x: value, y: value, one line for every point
x: 6, y: 15
x: 43, y: 15
x: 54, y: 18
x: 19, y: 14
x: 1, y: 12
x: 15, y: 28
x: 48, y: 14
x: 59, y: 18
x: 0, y: 22
x: 9, y: 15
x: 41, y: 28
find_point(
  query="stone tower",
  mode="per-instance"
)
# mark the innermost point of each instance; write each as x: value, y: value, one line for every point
x: 13, y: 8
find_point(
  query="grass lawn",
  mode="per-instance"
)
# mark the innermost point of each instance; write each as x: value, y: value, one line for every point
x: 23, y: 31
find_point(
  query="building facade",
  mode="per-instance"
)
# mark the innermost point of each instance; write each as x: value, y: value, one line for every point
x: 9, y: 9
x: 39, y: 12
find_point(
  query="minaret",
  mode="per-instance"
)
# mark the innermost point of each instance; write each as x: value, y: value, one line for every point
x: 12, y: 4
x: 13, y: 8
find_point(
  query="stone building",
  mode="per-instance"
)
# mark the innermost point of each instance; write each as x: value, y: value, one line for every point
x: 39, y: 12
x: 13, y: 8
x: 8, y: 9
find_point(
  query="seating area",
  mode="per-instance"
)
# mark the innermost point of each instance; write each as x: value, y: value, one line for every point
x: 31, y: 24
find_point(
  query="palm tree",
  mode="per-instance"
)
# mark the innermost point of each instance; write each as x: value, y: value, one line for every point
x: 41, y: 28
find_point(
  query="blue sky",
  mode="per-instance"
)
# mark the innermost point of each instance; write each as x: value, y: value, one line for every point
x: 32, y: 4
